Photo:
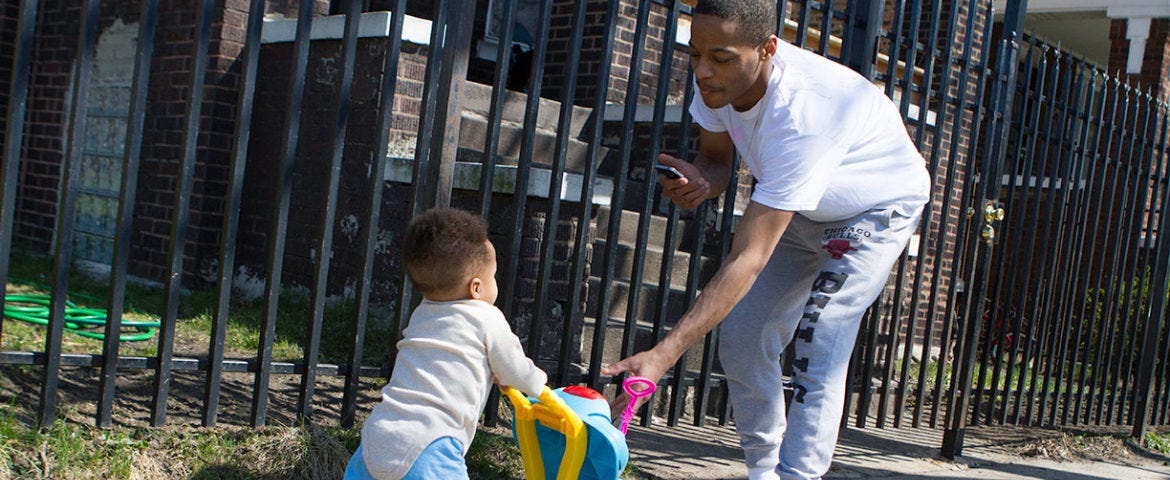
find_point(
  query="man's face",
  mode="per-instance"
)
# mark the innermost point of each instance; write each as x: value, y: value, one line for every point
x: 726, y: 67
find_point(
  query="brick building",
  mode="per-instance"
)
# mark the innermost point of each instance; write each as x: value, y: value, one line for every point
x: 55, y: 50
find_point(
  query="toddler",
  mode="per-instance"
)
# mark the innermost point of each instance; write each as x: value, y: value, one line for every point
x: 454, y: 345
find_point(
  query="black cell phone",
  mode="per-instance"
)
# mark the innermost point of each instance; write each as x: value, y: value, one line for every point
x: 669, y: 171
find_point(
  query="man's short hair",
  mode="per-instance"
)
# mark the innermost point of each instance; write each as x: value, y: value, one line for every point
x: 756, y: 19
x: 443, y: 248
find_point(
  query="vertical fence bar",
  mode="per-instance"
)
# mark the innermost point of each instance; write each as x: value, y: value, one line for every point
x: 353, y: 14
x: 1139, y: 273
x: 1051, y: 236
x: 634, y: 81
x: 861, y: 43
x: 1104, y: 140
x: 589, y: 177
x: 1120, y: 255
x: 370, y: 228
x: 600, y: 323
x: 993, y: 314
x: 802, y: 23
x: 711, y: 340
x: 924, y: 229
x: 552, y: 220
x: 1112, y: 158
x: 896, y: 39
x: 179, y: 217
x: 1161, y: 396
x: 1028, y: 114
x: 14, y: 134
x: 940, y: 243
x: 928, y: 91
x: 455, y: 50
x: 1114, y: 290
x: 1025, y: 179
x: 1132, y: 288
x: 1094, y: 102
x: 491, y: 141
x: 958, y: 294
x: 693, y: 271
x: 858, y: 54
x: 67, y: 212
x: 1018, y: 169
x: 665, y: 64
x: 523, y: 173
x: 1092, y: 217
x: 1002, y: 96
x: 911, y: 61
x: 420, y: 179
x: 1155, y: 315
x: 1074, y: 226
x: 250, y: 62
x: 1065, y: 232
x: 826, y: 27
x: 278, y: 232
x: 128, y: 188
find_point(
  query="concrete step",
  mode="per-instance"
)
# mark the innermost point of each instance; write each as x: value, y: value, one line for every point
x: 628, y: 228
x: 473, y: 132
x: 643, y: 340
x: 477, y: 99
x: 623, y: 266
x: 648, y: 297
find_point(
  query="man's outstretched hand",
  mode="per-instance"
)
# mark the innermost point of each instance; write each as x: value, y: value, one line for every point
x: 649, y: 364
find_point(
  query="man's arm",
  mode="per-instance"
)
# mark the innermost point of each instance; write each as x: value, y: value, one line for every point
x: 756, y: 237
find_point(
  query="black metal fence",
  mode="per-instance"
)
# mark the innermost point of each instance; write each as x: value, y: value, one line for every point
x: 1040, y: 329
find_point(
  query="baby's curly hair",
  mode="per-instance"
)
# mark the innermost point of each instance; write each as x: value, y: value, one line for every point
x: 443, y: 248
x: 756, y: 18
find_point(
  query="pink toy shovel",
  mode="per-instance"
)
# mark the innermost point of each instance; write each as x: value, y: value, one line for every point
x: 644, y: 389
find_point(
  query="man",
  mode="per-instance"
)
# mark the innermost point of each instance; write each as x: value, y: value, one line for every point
x: 840, y: 189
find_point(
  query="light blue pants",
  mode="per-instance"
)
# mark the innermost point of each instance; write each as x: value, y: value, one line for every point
x: 819, y: 282
x: 442, y: 459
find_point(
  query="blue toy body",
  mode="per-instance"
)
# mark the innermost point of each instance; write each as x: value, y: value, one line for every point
x: 607, y: 453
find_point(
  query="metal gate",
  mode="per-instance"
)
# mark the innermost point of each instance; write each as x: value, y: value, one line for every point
x: 1027, y: 316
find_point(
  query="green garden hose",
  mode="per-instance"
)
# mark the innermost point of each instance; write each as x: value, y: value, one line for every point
x: 34, y: 308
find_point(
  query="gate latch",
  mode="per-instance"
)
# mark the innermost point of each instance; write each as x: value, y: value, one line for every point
x: 991, y: 213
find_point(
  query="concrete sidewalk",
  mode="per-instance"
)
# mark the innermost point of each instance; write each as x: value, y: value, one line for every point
x: 990, y: 453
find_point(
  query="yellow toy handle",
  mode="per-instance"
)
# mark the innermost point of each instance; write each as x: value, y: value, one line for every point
x: 554, y: 414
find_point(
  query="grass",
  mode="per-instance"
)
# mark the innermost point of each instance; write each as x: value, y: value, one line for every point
x: 70, y: 450
x: 32, y: 274
x: 1158, y: 443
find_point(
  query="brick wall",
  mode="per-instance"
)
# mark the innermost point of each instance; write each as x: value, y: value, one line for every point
x: 1155, y: 72
x: 9, y: 14
x: 318, y: 121
x: 164, y: 137
x: 50, y: 79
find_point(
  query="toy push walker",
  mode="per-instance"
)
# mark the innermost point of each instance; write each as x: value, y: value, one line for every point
x: 566, y: 433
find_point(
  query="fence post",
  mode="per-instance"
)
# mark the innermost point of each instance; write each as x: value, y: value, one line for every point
x: 1157, y: 312
x: 14, y: 133
x: 861, y: 43
x: 995, y: 145
x: 455, y: 51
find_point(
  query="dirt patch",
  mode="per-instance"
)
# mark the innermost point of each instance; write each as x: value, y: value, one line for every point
x: 1079, y: 443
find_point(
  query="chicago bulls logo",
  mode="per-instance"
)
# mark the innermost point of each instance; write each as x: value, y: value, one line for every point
x: 838, y: 248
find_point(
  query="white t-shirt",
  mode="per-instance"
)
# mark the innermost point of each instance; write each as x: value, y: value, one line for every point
x: 441, y: 380
x: 823, y: 141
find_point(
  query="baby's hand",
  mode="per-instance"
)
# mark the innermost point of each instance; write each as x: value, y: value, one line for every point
x: 496, y: 380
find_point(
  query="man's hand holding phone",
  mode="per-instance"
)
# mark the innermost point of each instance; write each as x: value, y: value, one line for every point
x: 689, y: 189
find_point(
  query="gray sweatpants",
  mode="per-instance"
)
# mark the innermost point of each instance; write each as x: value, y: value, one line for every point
x: 816, y: 287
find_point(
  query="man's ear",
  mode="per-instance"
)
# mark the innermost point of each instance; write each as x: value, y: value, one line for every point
x: 770, y: 45
x: 475, y: 288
